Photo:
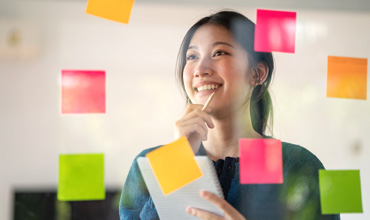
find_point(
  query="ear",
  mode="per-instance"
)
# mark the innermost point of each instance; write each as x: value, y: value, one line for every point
x: 259, y: 74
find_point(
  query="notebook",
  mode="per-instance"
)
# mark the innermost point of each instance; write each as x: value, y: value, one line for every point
x: 173, y: 205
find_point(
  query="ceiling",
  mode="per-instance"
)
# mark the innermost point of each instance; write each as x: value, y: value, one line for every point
x: 351, y: 5
x: 347, y: 5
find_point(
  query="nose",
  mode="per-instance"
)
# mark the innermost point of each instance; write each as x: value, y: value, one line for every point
x: 203, y: 68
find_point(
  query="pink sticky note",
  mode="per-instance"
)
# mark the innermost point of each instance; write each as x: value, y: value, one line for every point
x: 260, y: 161
x: 275, y: 31
x: 83, y: 91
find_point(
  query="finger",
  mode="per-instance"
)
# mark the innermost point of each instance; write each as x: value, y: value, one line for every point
x: 222, y: 204
x: 192, y: 107
x: 202, y: 214
x: 198, y: 121
x: 199, y: 113
x: 193, y: 129
x: 180, y: 124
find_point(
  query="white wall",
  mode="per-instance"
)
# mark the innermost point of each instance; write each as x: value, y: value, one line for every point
x: 142, y: 98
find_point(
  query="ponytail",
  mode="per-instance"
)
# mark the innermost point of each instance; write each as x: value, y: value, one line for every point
x: 261, y: 109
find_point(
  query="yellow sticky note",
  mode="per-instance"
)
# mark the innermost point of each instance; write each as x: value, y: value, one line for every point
x: 174, y: 165
x: 115, y: 10
x: 347, y: 77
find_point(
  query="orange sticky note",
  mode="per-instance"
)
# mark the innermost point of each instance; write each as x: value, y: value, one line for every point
x: 174, y: 165
x: 347, y: 77
x: 115, y: 10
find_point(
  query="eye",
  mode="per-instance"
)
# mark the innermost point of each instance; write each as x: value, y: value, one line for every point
x: 219, y: 53
x: 191, y: 57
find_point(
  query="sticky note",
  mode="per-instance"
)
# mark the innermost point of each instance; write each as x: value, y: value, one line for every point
x: 275, y: 31
x: 83, y: 91
x: 81, y: 177
x: 260, y: 161
x: 115, y: 10
x: 347, y: 77
x: 340, y: 191
x: 174, y: 165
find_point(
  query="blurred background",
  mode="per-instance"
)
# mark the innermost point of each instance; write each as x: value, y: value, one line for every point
x: 39, y: 38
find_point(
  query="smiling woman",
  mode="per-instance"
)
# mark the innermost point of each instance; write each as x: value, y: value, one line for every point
x: 217, y: 57
x: 239, y: 34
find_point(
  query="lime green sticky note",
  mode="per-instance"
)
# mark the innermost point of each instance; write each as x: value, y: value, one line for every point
x: 340, y: 191
x: 81, y: 177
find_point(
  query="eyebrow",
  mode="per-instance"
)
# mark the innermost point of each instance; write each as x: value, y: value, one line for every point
x: 222, y: 43
x: 192, y: 47
x: 214, y: 44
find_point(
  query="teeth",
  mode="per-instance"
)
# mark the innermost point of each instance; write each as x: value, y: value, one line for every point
x: 207, y: 87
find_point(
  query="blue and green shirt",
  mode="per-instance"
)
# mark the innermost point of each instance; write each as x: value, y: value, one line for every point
x: 297, y: 198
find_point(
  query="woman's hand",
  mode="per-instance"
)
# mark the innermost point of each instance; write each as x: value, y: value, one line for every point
x: 194, y: 124
x: 230, y: 212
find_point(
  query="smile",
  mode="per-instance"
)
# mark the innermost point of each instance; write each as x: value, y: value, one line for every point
x: 207, y: 87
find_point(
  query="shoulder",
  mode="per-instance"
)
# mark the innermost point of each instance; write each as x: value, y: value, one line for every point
x: 296, y: 155
x: 134, y: 174
x: 144, y: 152
x: 134, y: 166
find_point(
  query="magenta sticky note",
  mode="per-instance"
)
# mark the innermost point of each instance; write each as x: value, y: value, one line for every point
x: 275, y: 31
x: 261, y: 161
x: 83, y: 91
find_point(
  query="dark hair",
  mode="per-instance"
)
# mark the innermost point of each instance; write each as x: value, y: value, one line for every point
x: 242, y: 29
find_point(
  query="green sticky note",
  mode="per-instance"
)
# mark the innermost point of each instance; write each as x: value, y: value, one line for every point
x: 81, y: 177
x: 340, y: 191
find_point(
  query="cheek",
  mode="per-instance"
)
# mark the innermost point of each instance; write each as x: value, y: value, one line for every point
x: 187, y: 78
x: 238, y: 81
x: 188, y: 70
x: 234, y: 75
x: 241, y: 73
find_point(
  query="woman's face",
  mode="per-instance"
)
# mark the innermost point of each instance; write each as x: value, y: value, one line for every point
x: 214, y: 60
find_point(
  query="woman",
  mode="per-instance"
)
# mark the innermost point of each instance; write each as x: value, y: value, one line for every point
x: 217, y: 54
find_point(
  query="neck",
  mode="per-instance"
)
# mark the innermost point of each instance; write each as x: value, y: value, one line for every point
x: 223, y: 139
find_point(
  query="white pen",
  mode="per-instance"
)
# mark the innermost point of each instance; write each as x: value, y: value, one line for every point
x: 208, y: 101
